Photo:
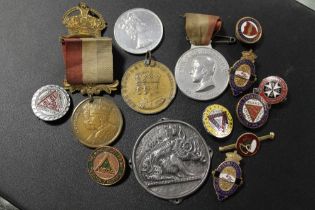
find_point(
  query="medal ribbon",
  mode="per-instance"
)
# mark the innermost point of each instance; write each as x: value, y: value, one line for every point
x: 200, y: 28
x: 88, y: 60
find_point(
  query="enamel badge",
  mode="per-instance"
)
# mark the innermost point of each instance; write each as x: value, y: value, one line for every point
x: 228, y: 176
x: 217, y: 121
x: 242, y: 73
x: 252, y: 111
x: 247, y: 144
x: 273, y: 89
x: 248, y: 30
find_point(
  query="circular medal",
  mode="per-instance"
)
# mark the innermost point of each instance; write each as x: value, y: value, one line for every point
x: 202, y: 73
x: 273, y: 89
x: 217, y: 121
x: 148, y: 89
x: 242, y: 73
x: 252, y: 111
x: 106, y: 165
x: 248, y: 30
x: 50, y: 102
x: 97, y: 123
x: 138, y: 31
x: 171, y: 160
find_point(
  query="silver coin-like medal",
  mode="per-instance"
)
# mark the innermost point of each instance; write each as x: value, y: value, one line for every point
x: 50, y: 102
x: 138, y: 31
x: 202, y: 73
x: 171, y: 160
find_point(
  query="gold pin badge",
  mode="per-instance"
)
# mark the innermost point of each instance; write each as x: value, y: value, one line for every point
x: 247, y: 144
x: 217, y: 120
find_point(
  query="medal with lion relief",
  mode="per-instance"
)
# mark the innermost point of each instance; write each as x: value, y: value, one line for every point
x: 148, y: 88
x: 97, y: 122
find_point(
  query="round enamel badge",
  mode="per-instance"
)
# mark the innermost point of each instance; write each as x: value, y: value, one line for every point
x: 252, y: 111
x: 217, y: 121
x: 248, y: 30
x: 247, y: 144
x: 50, y: 102
x: 273, y: 89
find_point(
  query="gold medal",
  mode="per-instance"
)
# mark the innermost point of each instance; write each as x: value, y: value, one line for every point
x: 97, y: 123
x: 148, y: 88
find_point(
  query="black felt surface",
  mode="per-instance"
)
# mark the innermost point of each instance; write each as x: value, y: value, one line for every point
x: 42, y: 166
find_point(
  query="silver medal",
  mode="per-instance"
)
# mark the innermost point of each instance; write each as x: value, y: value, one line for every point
x: 50, y: 102
x: 138, y: 31
x: 202, y: 73
x: 171, y: 160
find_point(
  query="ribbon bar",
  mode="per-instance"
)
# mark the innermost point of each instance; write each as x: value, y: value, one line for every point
x: 88, y: 60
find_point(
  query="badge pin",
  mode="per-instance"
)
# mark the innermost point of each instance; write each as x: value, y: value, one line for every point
x: 227, y: 178
x: 242, y: 73
x: 247, y: 144
x: 217, y: 120
x: 273, y: 89
x: 50, y: 102
x: 248, y: 30
x: 252, y: 111
x: 106, y: 165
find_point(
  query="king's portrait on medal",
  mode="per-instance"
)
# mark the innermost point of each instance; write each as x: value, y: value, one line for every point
x: 147, y: 86
x: 203, y: 69
x: 96, y: 121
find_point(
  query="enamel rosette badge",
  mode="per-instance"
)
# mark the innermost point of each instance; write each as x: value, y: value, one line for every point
x: 273, y: 89
x: 252, y: 111
x: 217, y: 121
x: 248, y: 30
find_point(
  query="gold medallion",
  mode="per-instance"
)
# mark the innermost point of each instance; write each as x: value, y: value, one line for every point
x: 148, y: 89
x: 97, y: 122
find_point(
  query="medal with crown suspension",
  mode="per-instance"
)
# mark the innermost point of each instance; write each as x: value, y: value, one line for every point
x: 147, y: 86
x: 96, y: 121
x: 202, y: 73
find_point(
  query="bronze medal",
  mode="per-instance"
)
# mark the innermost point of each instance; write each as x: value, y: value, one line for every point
x: 97, y: 123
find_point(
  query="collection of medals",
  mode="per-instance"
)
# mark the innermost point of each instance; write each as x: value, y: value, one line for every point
x: 170, y: 159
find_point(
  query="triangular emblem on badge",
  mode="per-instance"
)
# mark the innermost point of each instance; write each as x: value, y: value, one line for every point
x: 51, y: 101
x: 253, y: 111
x: 219, y: 120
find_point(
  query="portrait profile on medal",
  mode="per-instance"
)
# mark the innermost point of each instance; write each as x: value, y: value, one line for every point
x: 202, y: 72
x: 96, y: 121
x: 137, y: 30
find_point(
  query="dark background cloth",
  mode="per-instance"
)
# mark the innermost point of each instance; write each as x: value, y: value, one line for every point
x: 42, y: 166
